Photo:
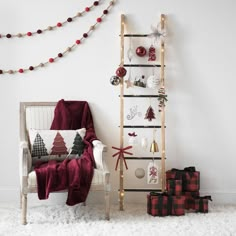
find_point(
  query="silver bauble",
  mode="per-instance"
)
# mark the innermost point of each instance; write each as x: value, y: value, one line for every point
x: 115, y: 80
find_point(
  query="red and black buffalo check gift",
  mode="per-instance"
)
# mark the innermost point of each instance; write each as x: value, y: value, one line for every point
x: 190, y: 199
x: 174, y: 187
x: 189, y: 176
x: 201, y: 204
x: 163, y: 204
x: 178, y: 205
x: 158, y: 204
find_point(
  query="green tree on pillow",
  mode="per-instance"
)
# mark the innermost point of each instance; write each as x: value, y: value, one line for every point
x: 78, y: 147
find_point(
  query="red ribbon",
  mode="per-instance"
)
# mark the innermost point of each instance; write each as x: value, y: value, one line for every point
x: 120, y: 154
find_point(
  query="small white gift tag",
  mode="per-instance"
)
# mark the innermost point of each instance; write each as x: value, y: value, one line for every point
x: 152, y: 173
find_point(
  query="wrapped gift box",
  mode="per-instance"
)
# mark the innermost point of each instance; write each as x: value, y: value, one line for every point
x: 178, y: 205
x: 201, y: 204
x: 163, y: 204
x: 190, y: 199
x: 174, y: 187
x: 157, y: 204
x: 189, y: 176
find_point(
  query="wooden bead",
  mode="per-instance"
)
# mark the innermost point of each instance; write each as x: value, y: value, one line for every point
x: 49, y: 27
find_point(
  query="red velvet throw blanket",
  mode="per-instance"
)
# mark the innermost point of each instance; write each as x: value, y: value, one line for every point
x: 72, y: 174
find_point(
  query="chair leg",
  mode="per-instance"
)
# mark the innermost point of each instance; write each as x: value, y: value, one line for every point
x: 24, y: 209
x: 20, y: 200
x: 107, y: 203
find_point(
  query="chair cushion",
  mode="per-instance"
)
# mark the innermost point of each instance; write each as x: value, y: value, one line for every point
x: 48, y: 145
x: 98, y: 178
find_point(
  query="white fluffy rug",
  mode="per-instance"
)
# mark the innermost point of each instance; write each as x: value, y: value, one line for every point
x: 63, y: 220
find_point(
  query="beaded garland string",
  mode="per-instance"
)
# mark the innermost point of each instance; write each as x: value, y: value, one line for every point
x: 69, y: 49
x: 53, y: 27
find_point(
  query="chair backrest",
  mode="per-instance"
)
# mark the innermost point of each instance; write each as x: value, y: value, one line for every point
x: 35, y: 115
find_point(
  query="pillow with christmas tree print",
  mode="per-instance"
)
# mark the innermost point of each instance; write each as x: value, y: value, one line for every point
x: 57, y: 145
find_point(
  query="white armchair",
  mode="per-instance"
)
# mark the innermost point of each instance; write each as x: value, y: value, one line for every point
x: 39, y: 115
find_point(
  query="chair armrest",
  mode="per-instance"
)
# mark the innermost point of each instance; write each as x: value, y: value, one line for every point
x: 25, y: 159
x: 98, y: 153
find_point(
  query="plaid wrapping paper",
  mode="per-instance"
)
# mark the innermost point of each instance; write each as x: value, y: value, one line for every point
x: 201, y: 204
x: 190, y: 199
x: 178, y: 205
x: 158, y: 204
x: 162, y: 204
x: 189, y: 176
x: 174, y: 187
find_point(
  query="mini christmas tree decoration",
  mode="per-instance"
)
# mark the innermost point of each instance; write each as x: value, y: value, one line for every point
x: 115, y: 80
x: 150, y: 114
x: 152, y: 53
x: 141, y: 51
x: 121, y: 71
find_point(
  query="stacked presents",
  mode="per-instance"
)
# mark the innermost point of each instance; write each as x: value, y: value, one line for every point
x: 182, y: 193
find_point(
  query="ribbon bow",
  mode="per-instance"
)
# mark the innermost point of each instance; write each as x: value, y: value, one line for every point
x: 208, y: 197
x: 120, y: 154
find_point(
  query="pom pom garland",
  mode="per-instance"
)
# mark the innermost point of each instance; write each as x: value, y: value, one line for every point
x: 49, y: 28
x: 51, y: 60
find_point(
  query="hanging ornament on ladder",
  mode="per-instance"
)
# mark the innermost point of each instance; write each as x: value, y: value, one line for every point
x: 150, y: 113
x: 152, y: 173
x: 152, y: 53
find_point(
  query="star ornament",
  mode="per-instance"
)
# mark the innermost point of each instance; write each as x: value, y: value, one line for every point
x: 129, y: 84
x: 157, y: 33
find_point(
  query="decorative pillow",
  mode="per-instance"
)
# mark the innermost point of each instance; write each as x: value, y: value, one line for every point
x: 48, y: 145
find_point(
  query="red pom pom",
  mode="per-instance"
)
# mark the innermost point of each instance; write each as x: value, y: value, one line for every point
x: 59, y: 24
x: 29, y: 33
x: 87, y: 9
x: 20, y: 70
x: 78, y: 41
x: 51, y: 60
x: 99, y: 19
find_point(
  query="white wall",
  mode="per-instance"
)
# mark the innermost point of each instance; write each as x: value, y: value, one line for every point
x: 200, y: 73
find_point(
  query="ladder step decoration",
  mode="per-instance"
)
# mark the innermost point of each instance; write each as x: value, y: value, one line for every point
x: 156, y: 171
